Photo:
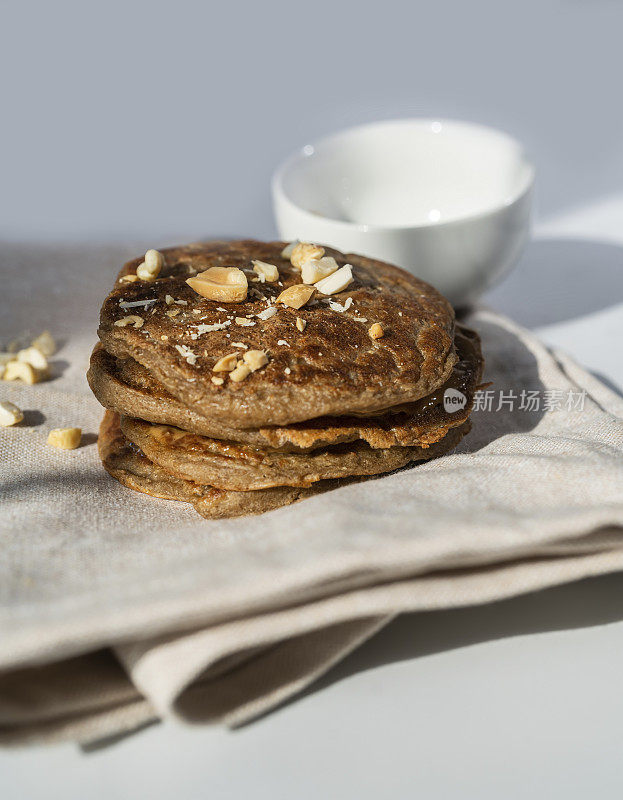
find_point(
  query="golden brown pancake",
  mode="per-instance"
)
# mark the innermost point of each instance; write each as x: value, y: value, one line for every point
x: 243, y: 468
x: 125, y: 386
x: 330, y: 405
x: 129, y: 466
x: 332, y: 368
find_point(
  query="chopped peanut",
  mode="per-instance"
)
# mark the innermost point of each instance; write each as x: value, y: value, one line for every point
x: 255, y: 359
x: 187, y: 354
x: 45, y: 343
x: 318, y: 268
x: 65, y: 438
x: 286, y: 253
x: 241, y: 372
x: 301, y: 324
x: 217, y: 381
x: 268, y: 272
x: 376, y: 331
x: 223, y: 284
x: 10, y: 414
x: 21, y: 371
x: 296, y: 296
x: 226, y: 363
x: 34, y: 357
x: 136, y: 322
x: 151, y: 267
x: 336, y: 282
x: 304, y: 251
x: 154, y: 260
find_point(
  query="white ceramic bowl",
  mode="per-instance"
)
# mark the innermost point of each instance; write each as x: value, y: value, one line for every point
x: 448, y: 201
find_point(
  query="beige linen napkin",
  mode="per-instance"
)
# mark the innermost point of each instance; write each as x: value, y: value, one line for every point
x: 117, y: 609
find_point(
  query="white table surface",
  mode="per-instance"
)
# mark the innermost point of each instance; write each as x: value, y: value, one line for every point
x: 519, y: 699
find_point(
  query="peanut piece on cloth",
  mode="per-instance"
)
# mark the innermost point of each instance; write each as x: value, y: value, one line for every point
x: 65, y: 438
x: 10, y: 414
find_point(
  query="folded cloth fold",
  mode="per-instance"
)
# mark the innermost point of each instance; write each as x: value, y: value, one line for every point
x: 222, y: 621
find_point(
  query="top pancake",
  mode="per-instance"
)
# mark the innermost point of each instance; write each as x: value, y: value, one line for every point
x: 334, y: 367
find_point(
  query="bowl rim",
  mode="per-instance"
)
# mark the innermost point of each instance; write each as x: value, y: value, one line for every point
x: 280, y: 194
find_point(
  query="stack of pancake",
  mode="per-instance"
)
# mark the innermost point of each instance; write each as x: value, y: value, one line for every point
x: 255, y: 400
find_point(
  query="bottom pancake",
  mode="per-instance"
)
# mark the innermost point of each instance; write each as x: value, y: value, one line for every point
x: 129, y: 466
x: 126, y: 462
x: 240, y: 468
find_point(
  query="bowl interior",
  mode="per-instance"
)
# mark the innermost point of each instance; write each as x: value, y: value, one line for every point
x: 407, y: 173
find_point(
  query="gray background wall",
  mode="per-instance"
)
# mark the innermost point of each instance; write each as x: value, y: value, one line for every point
x: 163, y: 121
